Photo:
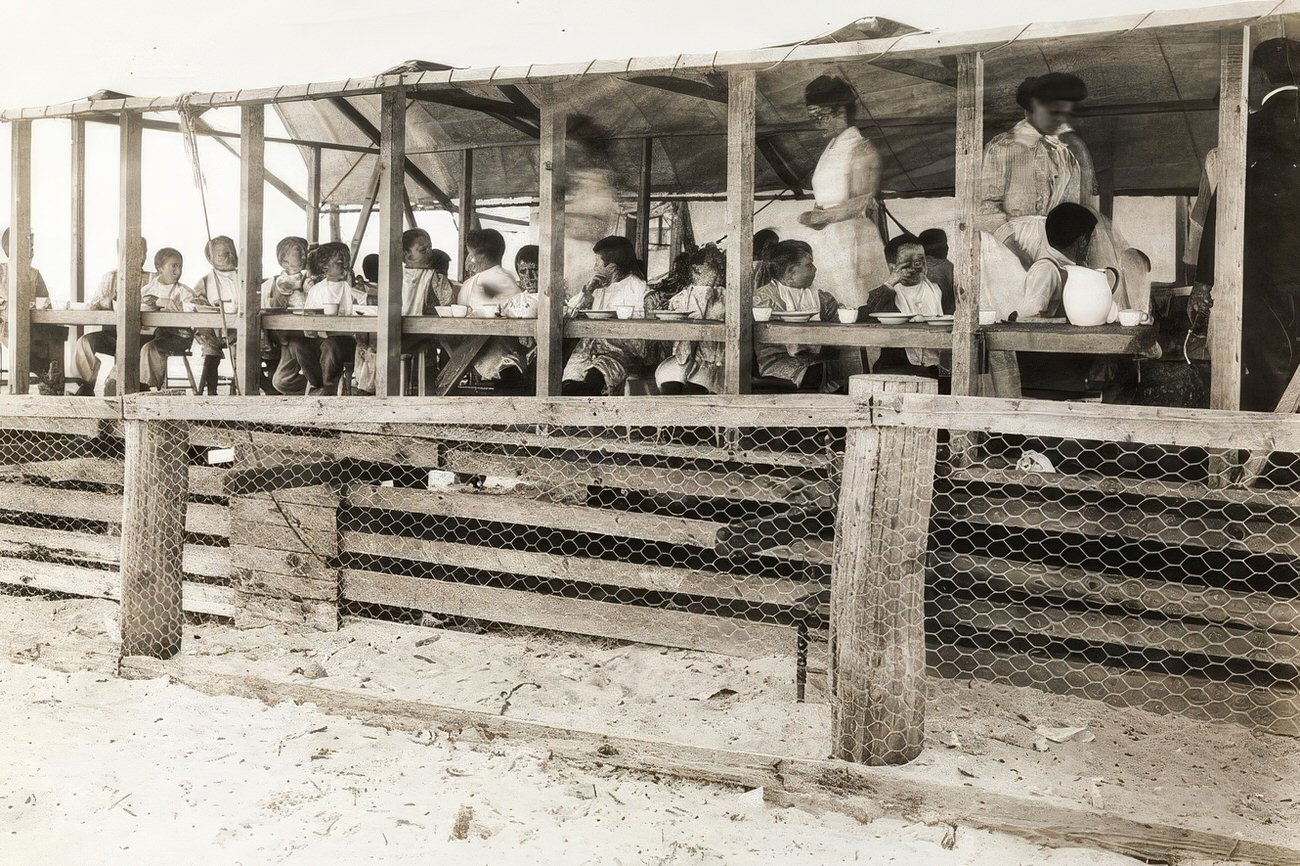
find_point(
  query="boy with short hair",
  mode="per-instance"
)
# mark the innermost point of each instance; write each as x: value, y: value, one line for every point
x: 164, y: 293
x: 219, y: 285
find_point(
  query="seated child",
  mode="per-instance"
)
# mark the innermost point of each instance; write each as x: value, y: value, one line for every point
x: 790, y: 264
x: 599, y: 365
x: 333, y: 262
x: 85, y: 355
x: 296, y: 358
x: 503, y: 360
x: 219, y: 285
x: 907, y: 290
x: 696, y: 367
x: 164, y: 293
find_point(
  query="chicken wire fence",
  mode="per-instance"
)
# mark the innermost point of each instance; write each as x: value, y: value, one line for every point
x: 1119, y: 572
x: 1144, y: 575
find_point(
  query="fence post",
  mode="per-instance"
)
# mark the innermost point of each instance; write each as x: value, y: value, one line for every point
x: 877, y: 628
x: 153, y: 537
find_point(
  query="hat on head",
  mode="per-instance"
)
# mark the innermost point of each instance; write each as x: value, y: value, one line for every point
x: 1053, y: 85
x: 828, y: 90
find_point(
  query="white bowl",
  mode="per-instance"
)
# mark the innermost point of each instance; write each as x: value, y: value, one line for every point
x: 848, y: 315
x: 459, y: 311
x: 625, y: 311
x: 988, y: 317
x: 41, y: 303
x: 762, y: 314
x: 487, y: 311
x: 79, y: 306
x: 330, y: 309
x: 444, y: 312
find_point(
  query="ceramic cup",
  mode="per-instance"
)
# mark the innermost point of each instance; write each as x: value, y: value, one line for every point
x: 625, y: 311
x: 488, y: 311
x: 988, y: 317
x: 459, y: 311
x: 42, y: 303
x: 331, y: 309
x: 1133, y: 318
x: 762, y: 314
x: 847, y: 315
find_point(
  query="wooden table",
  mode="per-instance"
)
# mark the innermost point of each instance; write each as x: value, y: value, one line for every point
x: 331, y: 324
x: 647, y: 329
x: 74, y: 317
x: 909, y: 335
x: 1060, y: 336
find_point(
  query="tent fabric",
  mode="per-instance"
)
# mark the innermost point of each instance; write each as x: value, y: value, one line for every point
x: 1149, y: 120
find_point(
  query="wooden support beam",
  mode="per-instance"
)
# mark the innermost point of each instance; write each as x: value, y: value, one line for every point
x: 877, y: 627
x: 392, y: 158
x: 153, y: 537
x: 313, y: 196
x: 1230, y: 237
x: 684, y: 86
x: 130, y: 264
x: 408, y: 212
x: 247, y: 351
x: 77, y: 259
x: 366, y: 128
x: 22, y: 286
x: 507, y: 113
x: 643, y: 200
x: 1181, y: 216
x: 550, y: 238
x: 966, y: 248
x: 363, y: 216
x: 468, y: 214
x: 336, y: 226
x: 739, y: 350
x: 918, y: 69
x: 285, y: 189
x: 772, y: 152
x: 212, y: 132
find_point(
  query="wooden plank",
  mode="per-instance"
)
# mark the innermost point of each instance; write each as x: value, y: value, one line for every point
x: 904, y: 336
x: 748, y: 410
x: 392, y: 161
x: 877, y: 609
x: 31, y: 542
x: 366, y: 211
x: 1140, y: 341
x: 1275, y: 710
x: 246, y: 354
x: 550, y: 239
x: 22, y: 286
x: 131, y: 253
x: 1230, y: 226
x: 966, y: 248
x: 77, y: 234
x: 1079, y: 517
x: 281, y: 537
x: 738, y: 351
x: 316, y: 584
x: 582, y: 570
x: 1003, y: 473
x: 1137, y: 595
x: 1149, y: 425
x: 602, y: 441
x: 468, y: 326
x: 458, y: 362
x: 646, y: 329
x: 819, y: 492
x: 506, y: 508
x: 1216, y: 641
x: 853, y: 789
x: 57, y: 414
x: 731, y: 637
x: 201, y: 518
x: 196, y: 597
x: 153, y: 529
x: 333, y: 324
x: 273, y: 510
x: 313, y: 157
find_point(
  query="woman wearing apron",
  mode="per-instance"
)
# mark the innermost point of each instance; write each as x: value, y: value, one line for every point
x: 845, y: 186
x: 1042, y: 162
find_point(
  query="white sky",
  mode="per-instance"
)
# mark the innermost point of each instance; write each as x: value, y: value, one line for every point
x: 64, y: 49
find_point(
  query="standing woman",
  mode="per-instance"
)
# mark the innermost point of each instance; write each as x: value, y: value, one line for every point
x: 846, y: 187
x: 1042, y: 162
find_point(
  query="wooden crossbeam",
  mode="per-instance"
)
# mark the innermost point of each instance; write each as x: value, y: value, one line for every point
x: 683, y: 86
x: 368, y: 129
x: 918, y: 69
x: 505, y: 112
x: 771, y: 152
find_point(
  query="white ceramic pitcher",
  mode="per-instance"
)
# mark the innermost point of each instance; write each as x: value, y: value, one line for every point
x: 1089, y: 296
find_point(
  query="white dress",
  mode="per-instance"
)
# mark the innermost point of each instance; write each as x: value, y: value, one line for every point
x: 850, y: 254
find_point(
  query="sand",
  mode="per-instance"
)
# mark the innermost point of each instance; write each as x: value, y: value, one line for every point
x: 112, y: 771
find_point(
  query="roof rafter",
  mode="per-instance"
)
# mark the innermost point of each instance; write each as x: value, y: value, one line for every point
x: 368, y: 129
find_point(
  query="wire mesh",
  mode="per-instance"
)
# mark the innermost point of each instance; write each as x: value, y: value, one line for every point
x: 1140, y: 575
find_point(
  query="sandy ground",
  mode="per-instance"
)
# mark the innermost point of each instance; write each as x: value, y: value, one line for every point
x: 233, y: 781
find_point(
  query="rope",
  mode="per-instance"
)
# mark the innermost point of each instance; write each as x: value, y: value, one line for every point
x: 190, y: 139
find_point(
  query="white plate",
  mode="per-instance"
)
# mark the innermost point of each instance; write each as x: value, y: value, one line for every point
x: 892, y: 318
x: 792, y: 316
x: 939, y: 321
x: 672, y: 315
x: 599, y: 314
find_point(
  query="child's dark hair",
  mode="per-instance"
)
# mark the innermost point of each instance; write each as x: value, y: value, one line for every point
x: 330, y: 252
x: 212, y: 242
x: 160, y: 258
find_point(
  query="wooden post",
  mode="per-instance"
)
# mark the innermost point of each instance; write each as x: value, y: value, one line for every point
x: 738, y: 354
x: 1229, y: 237
x: 877, y: 615
x: 551, y: 294
x: 130, y: 264
x: 407, y: 210
x: 22, y: 288
x: 966, y: 250
x: 468, y: 214
x: 336, y: 226
x: 392, y: 183
x: 643, y: 201
x: 77, y: 259
x: 252, y: 185
x: 1181, y: 216
x: 313, y: 196
x: 363, y: 218
x: 153, y: 537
